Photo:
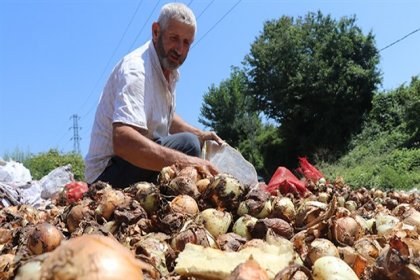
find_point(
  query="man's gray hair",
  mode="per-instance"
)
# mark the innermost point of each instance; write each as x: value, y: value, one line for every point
x: 179, y: 12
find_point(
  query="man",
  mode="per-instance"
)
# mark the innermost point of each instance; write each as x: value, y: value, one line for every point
x: 136, y: 132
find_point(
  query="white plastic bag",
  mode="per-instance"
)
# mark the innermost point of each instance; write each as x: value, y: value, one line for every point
x: 230, y: 160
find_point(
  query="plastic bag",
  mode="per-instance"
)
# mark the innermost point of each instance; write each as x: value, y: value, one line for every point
x: 229, y: 160
x: 284, y: 181
x: 12, y: 171
x: 309, y: 171
x: 55, y: 180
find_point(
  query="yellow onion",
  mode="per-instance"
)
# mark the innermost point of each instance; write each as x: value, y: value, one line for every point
x: 91, y: 257
x: 75, y: 216
x: 323, y: 197
x: 147, y: 194
x: 215, y: 221
x: 166, y: 175
x: 309, y: 211
x: 332, y: 268
x: 190, y: 172
x: 385, y: 223
x: 351, y: 205
x: 321, y: 247
x: 44, y: 238
x: 279, y: 226
x: 184, y: 204
x: 408, y: 214
x: 283, y: 208
x: 183, y: 185
x: 244, y: 225
x: 109, y: 201
x: 225, y: 191
x: 203, y: 184
x: 191, y: 233
x: 262, y: 210
x: 346, y: 231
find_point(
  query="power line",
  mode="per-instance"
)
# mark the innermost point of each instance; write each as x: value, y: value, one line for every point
x: 141, y: 30
x: 112, y: 55
x: 214, y: 25
x: 205, y: 9
x: 399, y: 40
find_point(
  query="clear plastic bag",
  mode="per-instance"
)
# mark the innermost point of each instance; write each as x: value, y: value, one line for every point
x: 230, y: 160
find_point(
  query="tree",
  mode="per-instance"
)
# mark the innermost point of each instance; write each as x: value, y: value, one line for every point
x: 316, y: 77
x: 228, y: 110
x: 43, y: 163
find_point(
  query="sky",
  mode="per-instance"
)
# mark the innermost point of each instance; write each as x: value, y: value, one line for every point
x: 56, y: 55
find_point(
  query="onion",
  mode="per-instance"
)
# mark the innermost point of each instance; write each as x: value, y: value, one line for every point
x: 332, y: 268
x: 278, y: 226
x: 109, y: 201
x: 91, y: 257
x: 385, y: 223
x: 321, y: 247
x: 166, y: 175
x: 346, y: 230
x: 184, y: 204
x: 323, y: 197
x: 351, y: 205
x: 283, y: 208
x: 183, y: 185
x: 225, y: 191
x: 44, y: 238
x: 249, y: 270
x: 215, y: 221
x: 202, y: 185
x: 190, y: 172
x: 243, y: 226
x: 75, y: 216
x: 254, y: 208
x: 148, y: 196
x: 192, y: 234
x: 230, y: 241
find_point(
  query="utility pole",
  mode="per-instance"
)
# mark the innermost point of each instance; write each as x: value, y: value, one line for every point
x: 76, y: 138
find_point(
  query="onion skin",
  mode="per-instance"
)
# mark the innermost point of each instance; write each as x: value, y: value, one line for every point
x: 249, y: 270
x: 74, y: 217
x: 91, y: 257
x: 44, y: 238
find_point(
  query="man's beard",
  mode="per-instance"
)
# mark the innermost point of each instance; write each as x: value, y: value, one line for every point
x: 165, y: 62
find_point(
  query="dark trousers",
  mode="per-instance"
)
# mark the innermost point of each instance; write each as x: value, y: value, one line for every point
x: 120, y: 173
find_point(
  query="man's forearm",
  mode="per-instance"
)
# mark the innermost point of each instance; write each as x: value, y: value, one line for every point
x: 179, y: 125
x: 137, y: 149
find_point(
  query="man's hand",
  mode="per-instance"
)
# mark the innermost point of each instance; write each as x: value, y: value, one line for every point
x: 209, y: 135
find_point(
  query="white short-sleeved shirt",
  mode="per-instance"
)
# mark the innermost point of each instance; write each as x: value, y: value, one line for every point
x: 136, y: 94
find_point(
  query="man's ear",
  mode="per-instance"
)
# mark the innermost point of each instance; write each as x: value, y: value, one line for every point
x: 155, y: 31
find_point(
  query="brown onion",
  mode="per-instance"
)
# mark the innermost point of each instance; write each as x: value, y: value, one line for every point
x: 346, y: 231
x: 249, y: 270
x: 183, y: 185
x: 184, y: 204
x: 91, y: 257
x: 109, y: 201
x: 44, y: 238
x: 190, y: 172
x: 75, y: 216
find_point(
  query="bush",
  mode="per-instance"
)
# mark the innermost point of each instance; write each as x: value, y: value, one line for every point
x: 43, y: 163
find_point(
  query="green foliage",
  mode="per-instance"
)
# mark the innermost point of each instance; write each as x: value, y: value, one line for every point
x: 316, y: 77
x: 385, y: 154
x: 43, y: 163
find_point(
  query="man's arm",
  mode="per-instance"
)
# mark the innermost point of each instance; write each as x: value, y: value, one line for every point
x: 131, y: 145
x: 179, y: 125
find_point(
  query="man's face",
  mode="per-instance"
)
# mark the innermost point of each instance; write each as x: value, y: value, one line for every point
x: 173, y: 43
